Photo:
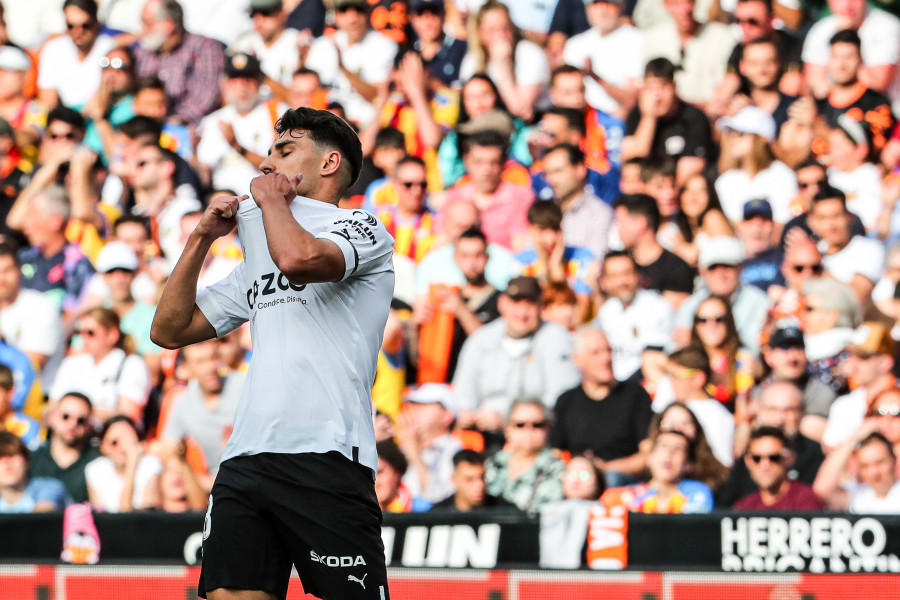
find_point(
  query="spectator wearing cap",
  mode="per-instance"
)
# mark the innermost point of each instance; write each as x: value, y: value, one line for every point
x: 441, y: 53
x: 757, y: 234
x: 878, y: 32
x: 355, y: 61
x: 749, y: 167
x: 634, y: 321
x: 602, y: 416
x: 503, y: 204
x: 662, y: 125
x: 117, y: 268
x: 276, y: 46
x: 235, y: 139
x: 192, y: 64
x: 872, y: 352
x: 785, y: 355
x: 850, y: 96
x: 852, y: 259
x: 525, y: 471
x: 701, y: 50
x: 26, y: 116
x: 610, y: 85
x: 393, y: 495
x: 423, y: 435
x: 779, y: 404
x: 637, y: 221
x: 720, y: 268
x: 828, y: 319
x: 769, y: 458
x: 851, y: 171
x: 517, y: 356
x: 69, y: 71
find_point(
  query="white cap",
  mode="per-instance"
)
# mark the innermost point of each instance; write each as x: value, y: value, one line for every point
x: 117, y: 255
x: 751, y: 119
x: 720, y: 250
x: 431, y: 393
x: 13, y: 59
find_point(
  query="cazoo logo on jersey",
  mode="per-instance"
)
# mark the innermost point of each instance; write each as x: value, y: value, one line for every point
x: 271, y: 283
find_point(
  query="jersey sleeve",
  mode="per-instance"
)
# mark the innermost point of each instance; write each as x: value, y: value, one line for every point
x: 365, y: 243
x: 224, y: 304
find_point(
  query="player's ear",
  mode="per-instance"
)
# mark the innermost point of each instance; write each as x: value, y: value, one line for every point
x: 331, y: 163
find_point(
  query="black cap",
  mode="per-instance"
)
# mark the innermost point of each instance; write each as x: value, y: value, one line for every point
x: 524, y: 288
x: 241, y: 64
x: 758, y: 207
x: 787, y: 337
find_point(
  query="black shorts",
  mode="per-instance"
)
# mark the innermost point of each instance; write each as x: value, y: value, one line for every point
x: 317, y: 512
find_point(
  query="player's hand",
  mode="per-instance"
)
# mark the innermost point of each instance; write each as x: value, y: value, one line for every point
x: 218, y: 218
x: 274, y: 187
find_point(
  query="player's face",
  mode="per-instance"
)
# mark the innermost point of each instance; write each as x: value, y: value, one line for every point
x: 668, y: 459
x: 292, y: 153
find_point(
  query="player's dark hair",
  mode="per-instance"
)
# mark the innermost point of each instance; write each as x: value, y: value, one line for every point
x: 640, y: 205
x: 327, y: 130
x: 546, y: 215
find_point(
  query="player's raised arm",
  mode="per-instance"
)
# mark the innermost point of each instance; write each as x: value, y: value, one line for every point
x: 178, y: 322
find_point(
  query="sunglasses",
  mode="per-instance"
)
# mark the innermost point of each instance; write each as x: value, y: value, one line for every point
x: 61, y: 136
x: 411, y: 184
x: 720, y: 319
x: 775, y: 459
x: 577, y: 475
x: 117, y: 64
x: 78, y: 420
x: 683, y: 373
x: 815, y: 269
x: 889, y: 410
x: 85, y: 25
x: 530, y: 424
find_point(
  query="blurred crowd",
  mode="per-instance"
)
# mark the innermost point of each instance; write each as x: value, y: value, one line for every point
x: 647, y: 252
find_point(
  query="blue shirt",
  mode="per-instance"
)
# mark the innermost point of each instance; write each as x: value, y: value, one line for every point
x: 23, y: 373
x: 39, y: 489
x: 576, y: 261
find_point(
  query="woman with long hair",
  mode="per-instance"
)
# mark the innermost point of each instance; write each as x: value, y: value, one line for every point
x: 124, y: 478
x: 105, y: 369
x: 678, y: 417
x: 498, y: 48
x: 699, y: 218
x: 480, y: 99
x: 749, y: 168
x: 734, y: 368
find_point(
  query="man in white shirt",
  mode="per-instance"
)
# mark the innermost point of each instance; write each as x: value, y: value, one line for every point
x: 610, y: 85
x: 869, y: 364
x: 234, y: 139
x: 877, y: 491
x: 277, y: 47
x: 356, y: 61
x: 634, y: 320
x: 69, y: 71
x: 296, y: 483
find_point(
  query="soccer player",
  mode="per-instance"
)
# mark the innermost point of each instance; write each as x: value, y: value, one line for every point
x: 296, y: 483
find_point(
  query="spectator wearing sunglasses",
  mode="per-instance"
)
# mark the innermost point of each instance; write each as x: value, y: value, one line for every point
x: 525, y: 471
x: 69, y: 71
x: 769, y: 458
x: 886, y: 410
x: 68, y: 449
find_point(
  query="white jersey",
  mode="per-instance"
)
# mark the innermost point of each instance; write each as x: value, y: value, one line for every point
x: 308, y: 388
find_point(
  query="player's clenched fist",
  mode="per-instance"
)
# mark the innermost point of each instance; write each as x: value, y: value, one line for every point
x: 218, y: 218
x: 273, y: 187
